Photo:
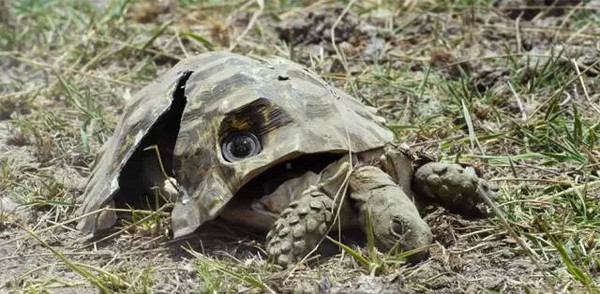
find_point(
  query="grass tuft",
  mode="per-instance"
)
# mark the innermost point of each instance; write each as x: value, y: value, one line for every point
x: 513, y: 92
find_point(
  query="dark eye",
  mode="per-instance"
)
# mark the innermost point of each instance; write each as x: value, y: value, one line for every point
x: 240, y: 145
x: 398, y: 228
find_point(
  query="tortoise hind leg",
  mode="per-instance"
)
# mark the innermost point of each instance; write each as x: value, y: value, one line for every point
x: 300, y: 227
x: 457, y: 188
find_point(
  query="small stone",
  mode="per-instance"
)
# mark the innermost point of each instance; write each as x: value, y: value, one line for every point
x: 170, y: 189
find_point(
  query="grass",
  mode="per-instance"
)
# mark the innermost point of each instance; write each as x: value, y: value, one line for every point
x: 454, y: 78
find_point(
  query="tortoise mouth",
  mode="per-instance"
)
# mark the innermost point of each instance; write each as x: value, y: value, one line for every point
x: 269, y: 180
x: 251, y: 200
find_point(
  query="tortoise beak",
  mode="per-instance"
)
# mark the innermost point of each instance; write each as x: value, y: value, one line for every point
x: 200, y: 206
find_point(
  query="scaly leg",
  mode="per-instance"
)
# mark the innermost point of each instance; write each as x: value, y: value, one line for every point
x: 300, y: 227
x: 305, y: 222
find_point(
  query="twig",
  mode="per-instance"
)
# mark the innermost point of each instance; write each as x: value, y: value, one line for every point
x: 34, y: 255
x: 261, y: 5
x: 46, y: 65
x: 518, y: 33
x: 557, y: 92
x: 332, y: 34
x: 588, y: 185
x: 567, y: 99
x: 53, y: 226
x: 129, y: 226
x: 547, y: 181
x: 585, y: 91
x: 472, y: 135
x: 500, y: 214
x: 178, y: 36
x: 431, y: 142
x: 519, y: 102
x: 564, y: 21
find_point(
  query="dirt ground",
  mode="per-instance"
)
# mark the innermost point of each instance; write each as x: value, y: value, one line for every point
x: 510, y: 87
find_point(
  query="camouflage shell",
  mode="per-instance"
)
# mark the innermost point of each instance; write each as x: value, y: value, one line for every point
x: 291, y: 110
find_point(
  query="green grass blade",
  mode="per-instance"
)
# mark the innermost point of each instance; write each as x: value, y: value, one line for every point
x: 78, y: 269
x: 206, y: 43
x: 355, y: 254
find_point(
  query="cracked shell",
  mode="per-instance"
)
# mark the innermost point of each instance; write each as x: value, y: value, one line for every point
x: 191, y: 108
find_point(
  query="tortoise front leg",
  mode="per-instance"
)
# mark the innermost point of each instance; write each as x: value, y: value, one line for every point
x: 393, y: 216
x: 305, y: 222
x: 300, y: 227
x: 457, y: 188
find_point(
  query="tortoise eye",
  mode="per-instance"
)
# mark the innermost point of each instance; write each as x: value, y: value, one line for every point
x: 240, y: 145
x: 398, y: 228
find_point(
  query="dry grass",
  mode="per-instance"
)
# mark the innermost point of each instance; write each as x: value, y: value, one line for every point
x: 517, y: 97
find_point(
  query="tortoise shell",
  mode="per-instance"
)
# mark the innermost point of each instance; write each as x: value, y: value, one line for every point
x: 191, y: 109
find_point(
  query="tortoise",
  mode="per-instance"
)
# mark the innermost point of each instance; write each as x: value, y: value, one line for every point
x: 266, y: 143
